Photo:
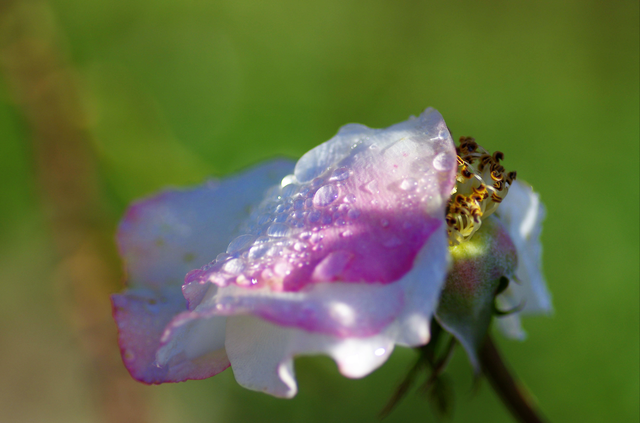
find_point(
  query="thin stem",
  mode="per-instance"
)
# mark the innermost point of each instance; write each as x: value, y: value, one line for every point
x: 512, y: 394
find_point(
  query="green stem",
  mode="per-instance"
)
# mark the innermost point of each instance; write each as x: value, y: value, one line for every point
x: 512, y: 394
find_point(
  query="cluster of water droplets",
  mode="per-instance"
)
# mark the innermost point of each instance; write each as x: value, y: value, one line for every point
x: 286, y: 231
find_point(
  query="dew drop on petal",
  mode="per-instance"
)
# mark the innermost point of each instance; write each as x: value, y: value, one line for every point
x: 222, y: 257
x: 234, y: 266
x: 240, y: 243
x: 258, y: 251
x: 287, y: 180
x: 278, y: 230
x: 314, y: 216
x: 353, y: 214
x: 349, y: 198
x: 289, y: 190
x: 340, y: 174
x: 326, y: 195
x: 444, y: 161
x: 408, y: 184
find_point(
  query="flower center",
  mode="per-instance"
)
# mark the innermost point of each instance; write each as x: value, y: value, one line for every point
x: 481, y: 185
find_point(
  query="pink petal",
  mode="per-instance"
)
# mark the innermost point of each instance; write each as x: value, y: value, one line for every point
x: 163, y: 237
x: 141, y: 316
x: 357, y: 209
x: 261, y: 352
x: 160, y: 239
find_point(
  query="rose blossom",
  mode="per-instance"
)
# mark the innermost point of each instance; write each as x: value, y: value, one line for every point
x: 344, y: 253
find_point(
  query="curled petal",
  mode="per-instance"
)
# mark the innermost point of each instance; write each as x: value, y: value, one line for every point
x: 261, y: 353
x: 141, y: 315
x: 522, y: 213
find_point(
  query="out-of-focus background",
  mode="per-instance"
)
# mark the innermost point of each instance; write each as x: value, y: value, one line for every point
x: 102, y: 102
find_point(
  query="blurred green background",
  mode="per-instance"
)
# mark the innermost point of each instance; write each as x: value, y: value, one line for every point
x: 171, y: 92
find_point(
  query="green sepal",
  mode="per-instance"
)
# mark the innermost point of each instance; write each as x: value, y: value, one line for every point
x: 477, y: 274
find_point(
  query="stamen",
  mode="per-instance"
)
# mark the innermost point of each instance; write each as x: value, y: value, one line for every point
x: 478, y: 191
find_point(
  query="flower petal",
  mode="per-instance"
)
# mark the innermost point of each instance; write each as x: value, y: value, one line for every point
x: 358, y: 209
x: 261, y: 353
x: 141, y: 315
x: 160, y: 239
x: 523, y: 213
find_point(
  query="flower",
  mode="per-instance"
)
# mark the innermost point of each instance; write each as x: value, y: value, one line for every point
x: 345, y: 253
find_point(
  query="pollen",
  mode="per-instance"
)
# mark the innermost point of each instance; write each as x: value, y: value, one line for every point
x: 481, y: 185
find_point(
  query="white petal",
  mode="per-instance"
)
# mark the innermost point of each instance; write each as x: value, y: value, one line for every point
x: 523, y: 213
x: 261, y: 353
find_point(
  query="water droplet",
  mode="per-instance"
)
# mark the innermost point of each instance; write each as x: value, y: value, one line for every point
x: 258, y: 251
x: 408, y: 184
x: 222, y: 257
x: 298, y: 204
x: 340, y: 174
x: 278, y: 230
x: 234, y: 266
x: 240, y: 243
x: 304, y: 236
x: 326, y: 195
x: 353, y: 214
x: 346, y: 234
x: 379, y: 352
x: 349, y: 198
x: 287, y: 180
x: 308, y: 203
x: 444, y: 161
x: 262, y: 239
x: 300, y: 246
x: 315, y: 238
x: 280, y: 218
x: 289, y: 190
x: 314, y: 216
x: 325, y: 219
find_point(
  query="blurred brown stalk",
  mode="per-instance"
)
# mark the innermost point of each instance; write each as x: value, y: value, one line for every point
x: 47, y: 92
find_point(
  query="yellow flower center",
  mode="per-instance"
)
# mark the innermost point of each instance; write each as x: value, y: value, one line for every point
x: 481, y: 185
